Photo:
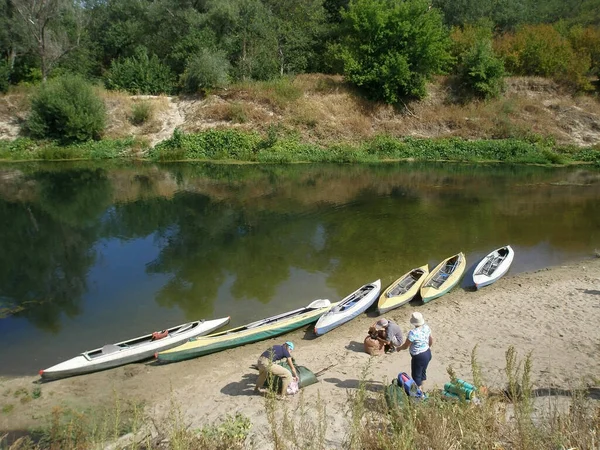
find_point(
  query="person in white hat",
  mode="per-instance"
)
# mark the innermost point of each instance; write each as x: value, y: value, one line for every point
x: 419, y: 342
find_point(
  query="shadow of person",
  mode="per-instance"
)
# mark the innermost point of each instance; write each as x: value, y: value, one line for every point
x: 243, y: 387
x: 355, y: 346
x: 589, y: 291
x: 373, y: 386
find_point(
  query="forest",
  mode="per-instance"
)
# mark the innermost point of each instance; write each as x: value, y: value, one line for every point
x: 388, y: 48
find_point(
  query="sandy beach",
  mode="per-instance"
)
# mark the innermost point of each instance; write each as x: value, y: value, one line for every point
x: 553, y: 313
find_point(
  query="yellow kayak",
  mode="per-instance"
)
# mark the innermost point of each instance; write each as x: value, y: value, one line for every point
x: 444, y: 277
x: 403, y: 289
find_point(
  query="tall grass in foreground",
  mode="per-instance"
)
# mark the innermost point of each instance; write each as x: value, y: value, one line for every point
x: 505, y: 420
x: 508, y: 419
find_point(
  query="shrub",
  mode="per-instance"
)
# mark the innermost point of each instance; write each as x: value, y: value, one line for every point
x: 464, y: 37
x: 391, y: 48
x: 481, y: 72
x: 541, y: 50
x: 4, y: 76
x: 207, y: 70
x: 586, y: 42
x: 140, y: 113
x: 140, y: 74
x: 66, y: 109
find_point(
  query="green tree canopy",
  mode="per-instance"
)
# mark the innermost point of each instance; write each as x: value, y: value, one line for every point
x: 391, y: 47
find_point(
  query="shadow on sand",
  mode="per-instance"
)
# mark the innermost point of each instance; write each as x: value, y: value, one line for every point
x: 243, y: 387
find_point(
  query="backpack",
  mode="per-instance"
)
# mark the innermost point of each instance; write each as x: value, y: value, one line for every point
x: 410, y: 387
x: 399, y: 389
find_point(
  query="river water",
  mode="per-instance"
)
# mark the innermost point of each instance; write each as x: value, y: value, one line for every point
x: 94, y: 253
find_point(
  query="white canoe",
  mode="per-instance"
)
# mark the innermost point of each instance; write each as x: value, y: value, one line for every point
x: 140, y: 348
x: 350, y: 307
x: 493, y: 266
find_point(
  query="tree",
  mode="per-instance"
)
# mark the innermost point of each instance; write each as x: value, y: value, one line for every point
x: 391, y: 47
x: 206, y: 70
x: 67, y: 109
x: 140, y: 74
x: 45, y: 24
x: 481, y: 72
x: 298, y: 25
x: 245, y: 30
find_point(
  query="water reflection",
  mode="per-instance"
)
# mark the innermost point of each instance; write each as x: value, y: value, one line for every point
x: 97, y: 253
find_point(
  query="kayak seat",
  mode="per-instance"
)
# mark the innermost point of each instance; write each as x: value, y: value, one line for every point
x: 110, y: 348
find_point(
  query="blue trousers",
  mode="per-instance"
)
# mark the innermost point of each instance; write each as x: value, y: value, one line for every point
x: 418, y: 366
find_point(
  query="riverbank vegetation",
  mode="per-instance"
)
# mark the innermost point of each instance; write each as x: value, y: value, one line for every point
x: 287, y: 147
x: 513, y: 418
x: 386, y: 53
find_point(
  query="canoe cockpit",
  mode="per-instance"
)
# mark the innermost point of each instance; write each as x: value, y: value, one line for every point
x: 406, y: 283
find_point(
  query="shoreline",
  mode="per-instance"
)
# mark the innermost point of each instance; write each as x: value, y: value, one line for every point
x: 539, y: 312
x: 254, y: 147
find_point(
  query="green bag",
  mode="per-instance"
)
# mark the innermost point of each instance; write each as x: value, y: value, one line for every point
x: 305, y: 376
x: 394, y: 395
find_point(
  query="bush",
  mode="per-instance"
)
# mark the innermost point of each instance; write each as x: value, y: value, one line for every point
x: 481, y: 72
x: 207, y: 70
x: 140, y: 74
x: 541, y: 50
x: 66, y: 109
x: 586, y: 42
x: 391, y: 48
x: 140, y: 113
x: 464, y: 37
x: 4, y: 76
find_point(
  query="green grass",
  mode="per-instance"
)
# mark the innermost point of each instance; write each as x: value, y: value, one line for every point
x: 282, y: 146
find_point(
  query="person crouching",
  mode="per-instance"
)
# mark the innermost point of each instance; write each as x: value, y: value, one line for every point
x: 267, y: 364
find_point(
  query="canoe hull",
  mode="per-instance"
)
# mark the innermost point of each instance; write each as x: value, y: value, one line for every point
x: 237, y: 337
x: 387, y: 303
x: 334, y: 318
x: 503, y: 256
x: 429, y: 290
x: 125, y: 354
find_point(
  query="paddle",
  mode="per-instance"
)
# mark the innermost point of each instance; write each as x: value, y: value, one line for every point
x: 316, y: 304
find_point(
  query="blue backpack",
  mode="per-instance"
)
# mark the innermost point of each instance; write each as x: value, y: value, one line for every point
x: 410, y: 387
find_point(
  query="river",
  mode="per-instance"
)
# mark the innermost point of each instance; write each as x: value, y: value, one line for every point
x: 94, y: 253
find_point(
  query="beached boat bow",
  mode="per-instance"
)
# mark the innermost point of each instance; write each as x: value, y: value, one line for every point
x: 444, y: 277
x: 493, y: 266
x: 350, y: 307
x: 138, y: 349
x: 403, y: 289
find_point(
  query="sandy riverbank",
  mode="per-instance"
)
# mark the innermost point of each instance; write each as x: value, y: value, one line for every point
x: 553, y: 313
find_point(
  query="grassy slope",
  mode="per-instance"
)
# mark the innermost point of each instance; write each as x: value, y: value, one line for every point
x: 314, y: 114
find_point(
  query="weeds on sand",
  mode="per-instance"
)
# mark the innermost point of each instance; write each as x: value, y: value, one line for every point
x: 440, y: 423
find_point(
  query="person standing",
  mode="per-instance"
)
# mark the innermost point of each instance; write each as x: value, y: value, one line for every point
x: 393, y: 334
x: 419, y: 342
x: 267, y: 364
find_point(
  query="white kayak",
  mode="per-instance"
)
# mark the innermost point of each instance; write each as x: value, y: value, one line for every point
x: 493, y: 266
x: 350, y: 307
x: 140, y: 348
